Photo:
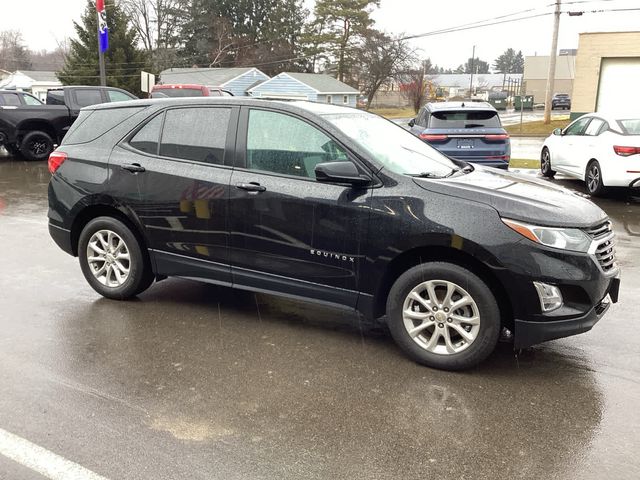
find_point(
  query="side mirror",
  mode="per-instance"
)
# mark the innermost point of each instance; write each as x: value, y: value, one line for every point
x: 557, y: 131
x: 412, y: 122
x: 340, y: 172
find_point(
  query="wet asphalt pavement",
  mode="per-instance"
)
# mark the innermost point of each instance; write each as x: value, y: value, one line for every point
x: 195, y: 381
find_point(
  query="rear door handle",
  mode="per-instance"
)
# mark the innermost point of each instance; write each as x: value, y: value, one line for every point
x: 251, y: 187
x: 133, y: 167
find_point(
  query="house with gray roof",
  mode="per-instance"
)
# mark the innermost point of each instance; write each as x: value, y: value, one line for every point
x: 236, y: 80
x: 306, y: 86
x: 37, y: 82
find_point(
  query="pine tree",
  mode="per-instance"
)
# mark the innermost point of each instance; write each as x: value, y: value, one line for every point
x: 123, y: 60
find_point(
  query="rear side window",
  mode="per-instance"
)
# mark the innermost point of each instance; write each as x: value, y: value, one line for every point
x: 116, y: 96
x: 197, y: 134
x: 86, y: 97
x: 147, y: 138
x: 55, y: 97
x: 595, y: 127
x: 631, y: 126
x: 465, y: 119
x: 180, y: 92
x: 92, y: 124
x: 9, y: 99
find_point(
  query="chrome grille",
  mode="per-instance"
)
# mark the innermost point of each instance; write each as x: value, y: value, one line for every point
x: 604, y: 241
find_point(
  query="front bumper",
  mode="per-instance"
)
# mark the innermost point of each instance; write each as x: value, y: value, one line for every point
x: 528, y: 333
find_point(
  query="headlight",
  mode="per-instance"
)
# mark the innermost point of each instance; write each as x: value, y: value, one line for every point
x: 565, y: 238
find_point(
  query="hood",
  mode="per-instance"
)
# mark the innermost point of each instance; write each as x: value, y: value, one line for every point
x: 520, y: 197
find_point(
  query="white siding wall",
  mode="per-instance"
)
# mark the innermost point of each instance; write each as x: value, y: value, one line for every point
x: 240, y: 85
x: 284, y: 85
x: 339, y: 99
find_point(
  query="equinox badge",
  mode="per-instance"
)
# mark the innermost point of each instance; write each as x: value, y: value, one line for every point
x: 336, y: 256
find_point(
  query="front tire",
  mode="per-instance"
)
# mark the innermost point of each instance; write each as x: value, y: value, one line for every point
x: 593, y: 179
x: 545, y: 164
x: 112, y: 260
x: 36, y: 145
x: 443, y: 316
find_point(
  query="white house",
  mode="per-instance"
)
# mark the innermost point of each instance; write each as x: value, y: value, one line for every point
x: 37, y: 82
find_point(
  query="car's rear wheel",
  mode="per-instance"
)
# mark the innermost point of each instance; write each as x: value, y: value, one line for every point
x: 545, y: 163
x: 36, y: 145
x: 443, y: 316
x: 112, y: 259
x: 593, y: 179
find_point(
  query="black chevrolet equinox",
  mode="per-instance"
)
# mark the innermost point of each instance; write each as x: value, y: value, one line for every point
x: 332, y: 205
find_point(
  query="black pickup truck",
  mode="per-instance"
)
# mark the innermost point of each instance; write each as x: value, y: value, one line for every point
x: 33, y: 130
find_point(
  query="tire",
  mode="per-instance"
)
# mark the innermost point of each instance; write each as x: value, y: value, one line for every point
x: 36, y: 145
x: 593, y: 179
x: 122, y: 279
x: 457, y: 353
x: 545, y: 164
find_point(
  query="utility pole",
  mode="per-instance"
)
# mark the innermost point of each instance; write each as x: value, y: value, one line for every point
x: 552, y: 64
x: 473, y: 56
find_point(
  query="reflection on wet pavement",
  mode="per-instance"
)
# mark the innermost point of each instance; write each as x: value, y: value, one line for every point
x: 197, y: 381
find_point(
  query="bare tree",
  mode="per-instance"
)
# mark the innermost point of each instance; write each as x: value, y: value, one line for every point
x: 414, y: 87
x: 382, y: 58
x: 13, y: 54
x: 224, y: 41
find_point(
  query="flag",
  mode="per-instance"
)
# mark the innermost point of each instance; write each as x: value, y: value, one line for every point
x: 103, y: 30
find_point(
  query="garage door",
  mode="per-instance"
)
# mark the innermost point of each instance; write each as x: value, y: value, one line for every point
x: 619, y: 81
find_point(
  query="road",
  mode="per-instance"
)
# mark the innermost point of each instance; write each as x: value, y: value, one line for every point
x: 200, y: 382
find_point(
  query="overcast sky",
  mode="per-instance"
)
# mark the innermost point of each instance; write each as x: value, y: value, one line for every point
x: 43, y: 22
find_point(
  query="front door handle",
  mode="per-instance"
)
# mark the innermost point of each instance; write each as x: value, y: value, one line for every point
x: 133, y: 167
x: 251, y: 187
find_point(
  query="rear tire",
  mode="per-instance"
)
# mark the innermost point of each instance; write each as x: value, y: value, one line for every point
x: 36, y: 145
x: 593, y: 179
x: 13, y: 150
x: 449, y: 302
x: 545, y: 163
x: 112, y: 259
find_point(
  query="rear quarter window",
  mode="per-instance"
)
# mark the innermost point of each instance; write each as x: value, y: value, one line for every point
x: 631, y: 126
x: 92, y: 124
x: 465, y: 119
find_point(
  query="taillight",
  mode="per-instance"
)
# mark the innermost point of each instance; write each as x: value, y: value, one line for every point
x: 625, y: 151
x: 55, y: 160
x: 497, y: 138
x: 433, y: 138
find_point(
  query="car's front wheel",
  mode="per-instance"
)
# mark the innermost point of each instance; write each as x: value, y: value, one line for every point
x: 112, y: 259
x: 36, y: 145
x: 545, y: 163
x: 593, y: 179
x: 443, y: 316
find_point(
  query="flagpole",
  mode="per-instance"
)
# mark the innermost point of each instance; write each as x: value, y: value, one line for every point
x: 103, y: 75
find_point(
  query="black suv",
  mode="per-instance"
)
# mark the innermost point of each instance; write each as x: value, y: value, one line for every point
x: 561, y: 100
x: 333, y: 205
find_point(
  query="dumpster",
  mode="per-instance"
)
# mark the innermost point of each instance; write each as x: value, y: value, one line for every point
x: 498, y: 103
x: 524, y: 102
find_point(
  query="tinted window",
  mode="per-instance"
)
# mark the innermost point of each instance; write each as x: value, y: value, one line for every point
x: 197, y: 134
x: 180, y: 92
x: 631, y: 126
x: 464, y: 119
x: 283, y: 144
x: 595, y: 127
x: 86, y: 97
x: 30, y: 100
x: 577, y: 127
x: 55, y: 97
x: 9, y: 99
x: 147, y: 138
x: 94, y: 123
x: 116, y: 96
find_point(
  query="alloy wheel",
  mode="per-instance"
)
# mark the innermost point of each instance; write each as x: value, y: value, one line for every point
x: 441, y: 317
x: 593, y: 178
x: 108, y: 258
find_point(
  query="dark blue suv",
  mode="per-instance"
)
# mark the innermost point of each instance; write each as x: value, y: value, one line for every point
x: 469, y: 131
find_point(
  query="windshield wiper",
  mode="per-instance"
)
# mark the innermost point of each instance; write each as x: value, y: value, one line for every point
x: 424, y: 175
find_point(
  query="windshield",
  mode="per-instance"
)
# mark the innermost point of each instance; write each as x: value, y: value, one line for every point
x: 392, y: 146
x: 180, y: 92
x: 464, y: 119
x: 631, y: 126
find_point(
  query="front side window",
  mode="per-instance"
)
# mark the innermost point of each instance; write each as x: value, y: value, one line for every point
x: 147, y: 138
x: 197, y: 134
x: 116, y: 96
x: 30, y: 100
x: 86, y: 97
x: 286, y: 145
x: 577, y: 127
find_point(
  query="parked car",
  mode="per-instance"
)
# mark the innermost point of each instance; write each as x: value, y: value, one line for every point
x: 332, y: 205
x: 33, y: 129
x: 15, y: 98
x: 561, y: 100
x: 602, y: 150
x: 187, y: 90
x: 469, y: 131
